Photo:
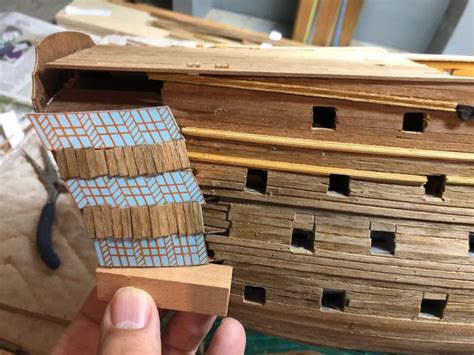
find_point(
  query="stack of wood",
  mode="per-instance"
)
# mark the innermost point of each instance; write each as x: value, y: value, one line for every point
x: 339, y: 187
x: 326, y: 22
x: 104, y: 17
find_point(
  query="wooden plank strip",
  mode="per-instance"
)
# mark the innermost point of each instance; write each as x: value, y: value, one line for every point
x: 304, y: 19
x: 311, y: 91
x: 82, y: 165
x: 328, y: 11
x: 111, y: 162
x: 139, y: 155
x: 71, y: 161
x: 320, y: 170
x: 130, y: 161
x: 202, y: 289
x: 120, y: 160
x: 351, y: 18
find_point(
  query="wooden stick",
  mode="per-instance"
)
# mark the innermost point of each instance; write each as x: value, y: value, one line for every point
x: 327, y: 145
x: 201, y: 289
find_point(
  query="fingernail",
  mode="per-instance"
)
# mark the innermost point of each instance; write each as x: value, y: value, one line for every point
x: 130, y: 309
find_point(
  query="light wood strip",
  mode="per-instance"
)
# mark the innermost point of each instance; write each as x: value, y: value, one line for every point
x: 144, y: 222
x: 203, y: 289
x: 319, y: 170
x: 355, y: 96
x: 327, y: 145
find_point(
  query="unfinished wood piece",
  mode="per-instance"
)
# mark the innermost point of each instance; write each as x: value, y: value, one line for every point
x: 355, y: 96
x: 144, y: 221
x: 326, y: 20
x: 130, y: 161
x: 351, y: 18
x: 304, y: 19
x: 120, y: 160
x: 254, y: 62
x: 329, y: 145
x: 83, y: 166
x: 119, y: 19
x: 201, y: 289
x: 199, y: 25
x: 45, y: 81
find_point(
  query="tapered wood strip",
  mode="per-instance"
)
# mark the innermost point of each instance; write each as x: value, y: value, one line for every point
x: 62, y: 164
x: 120, y: 159
x: 323, y: 92
x: 202, y: 289
x: 82, y: 165
x: 198, y: 218
x: 88, y: 218
x: 165, y: 227
x: 117, y: 229
x: 130, y: 161
x: 71, y: 161
x: 139, y: 156
x: 178, y: 211
x: 126, y: 222
x: 149, y: 162
x: 145, y: 223
x: 183, y: 154
x: 170, y: 157
x: 327, y: 145
x: 101, y: 163
x: 157, y: 151
x: 107, y: 221
x: 155, y: 221
x: 171, y: 217
x: 99, y: 225
x: 136, y: 225
x: 91, y: 163
x: 111, y: 162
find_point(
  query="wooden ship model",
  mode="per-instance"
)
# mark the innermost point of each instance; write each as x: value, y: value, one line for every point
x: 339, y: 184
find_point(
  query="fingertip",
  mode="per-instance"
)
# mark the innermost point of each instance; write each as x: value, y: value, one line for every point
x: 229, y: 338
x: 234, y: 328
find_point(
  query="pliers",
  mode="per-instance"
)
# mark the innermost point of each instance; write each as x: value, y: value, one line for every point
x: 54, y: 186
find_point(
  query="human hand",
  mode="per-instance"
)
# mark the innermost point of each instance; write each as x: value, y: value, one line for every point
x: 130, y: 324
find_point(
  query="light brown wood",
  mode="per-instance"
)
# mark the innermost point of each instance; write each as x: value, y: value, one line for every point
x: 46, y: 82
x: 248, y: 61
x: 319, y: 170
x: 201, y: 289
x: 326, y: 20
x: 326, y: 145
x: 392, y: 100
x: 199, y: 25
x: 145, y: 221
x: 351, y: 19
x: 304, y: 19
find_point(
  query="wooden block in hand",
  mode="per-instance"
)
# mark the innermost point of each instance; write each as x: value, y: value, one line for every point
x: 201, y: 289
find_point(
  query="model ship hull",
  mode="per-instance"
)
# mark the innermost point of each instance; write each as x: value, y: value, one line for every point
x: 342, y: 198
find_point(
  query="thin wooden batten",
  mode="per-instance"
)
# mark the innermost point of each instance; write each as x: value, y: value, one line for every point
x: 321, y: 170
x: 328, y: 145
x: 355, y: 96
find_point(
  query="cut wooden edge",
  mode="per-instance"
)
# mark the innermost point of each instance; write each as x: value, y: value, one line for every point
x: 201, y: 289
x: 327, y: 145
x: 322, y: 170
x: 355, y: 96
x: 55, y: 46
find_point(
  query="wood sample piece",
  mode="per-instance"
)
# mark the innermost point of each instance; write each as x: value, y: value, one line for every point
x: 202, y: 289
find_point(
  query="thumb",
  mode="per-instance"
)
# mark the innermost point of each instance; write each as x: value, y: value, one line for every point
x: 131, y: 324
